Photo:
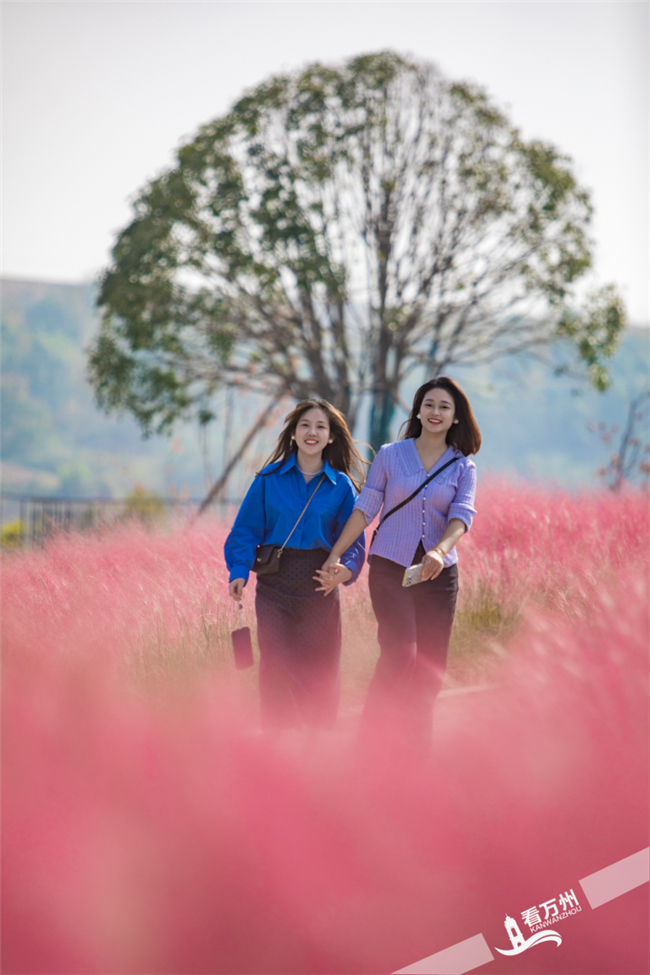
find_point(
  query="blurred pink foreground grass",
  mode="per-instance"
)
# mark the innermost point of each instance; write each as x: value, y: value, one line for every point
x: 147, y: 830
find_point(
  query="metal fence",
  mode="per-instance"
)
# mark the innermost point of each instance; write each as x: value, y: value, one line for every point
x: 29, y: 519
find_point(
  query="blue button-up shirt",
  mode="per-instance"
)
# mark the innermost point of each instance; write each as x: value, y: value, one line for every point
x: 395, y: 473
x: 272, y: 505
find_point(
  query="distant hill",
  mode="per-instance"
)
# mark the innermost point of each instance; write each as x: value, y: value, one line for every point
x: 536, y: 425
x: 56, y: 441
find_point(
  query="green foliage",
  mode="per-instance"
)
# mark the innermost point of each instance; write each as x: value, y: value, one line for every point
x: 596, y: 332
x: 12, y: 535
x: 144, y: 506
x: 340, y: 227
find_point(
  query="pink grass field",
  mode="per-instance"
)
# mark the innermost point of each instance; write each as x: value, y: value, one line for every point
x: 148, y: 829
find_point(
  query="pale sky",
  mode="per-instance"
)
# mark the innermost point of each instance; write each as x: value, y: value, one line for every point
x: 98, y: 95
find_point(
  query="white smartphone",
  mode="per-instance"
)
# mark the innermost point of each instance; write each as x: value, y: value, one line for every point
x: 413, y: 575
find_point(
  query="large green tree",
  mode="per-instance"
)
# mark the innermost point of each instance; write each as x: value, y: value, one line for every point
x: 337, y: 229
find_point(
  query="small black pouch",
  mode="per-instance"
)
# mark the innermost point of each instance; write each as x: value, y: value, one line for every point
x: 267, y: 560
x: 242, y: 645
x: 267, y: 557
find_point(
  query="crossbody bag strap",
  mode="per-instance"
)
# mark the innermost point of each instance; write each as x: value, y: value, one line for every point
x: 416, y: 492
x: 322, y: 477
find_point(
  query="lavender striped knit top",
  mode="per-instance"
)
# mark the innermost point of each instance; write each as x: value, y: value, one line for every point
x: 395, y: 473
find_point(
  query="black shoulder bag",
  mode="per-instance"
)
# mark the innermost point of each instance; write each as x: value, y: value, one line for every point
x: 411, y: 496
x: 267, y: 557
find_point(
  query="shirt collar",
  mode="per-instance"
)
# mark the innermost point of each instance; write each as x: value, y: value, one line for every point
x: 414, y: 464
x: 291, y: 462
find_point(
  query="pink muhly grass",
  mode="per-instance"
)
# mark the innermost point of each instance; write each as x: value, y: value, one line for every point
x: 551, y: 547
x: 149, y: 833
x: 130, y: 596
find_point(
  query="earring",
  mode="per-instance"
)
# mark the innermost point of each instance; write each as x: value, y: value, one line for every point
x: 330, y: 441
x: 419, y: 417
x: 292, y: 437
x: 455, y: 421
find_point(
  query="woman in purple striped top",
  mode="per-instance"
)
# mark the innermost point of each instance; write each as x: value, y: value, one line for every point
x: 414, y: 623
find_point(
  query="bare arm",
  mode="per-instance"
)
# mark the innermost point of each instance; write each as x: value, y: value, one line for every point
x: 354, y: 526
x: 331, y: 573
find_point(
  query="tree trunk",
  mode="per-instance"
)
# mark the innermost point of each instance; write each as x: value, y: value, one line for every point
x: 381, y: 416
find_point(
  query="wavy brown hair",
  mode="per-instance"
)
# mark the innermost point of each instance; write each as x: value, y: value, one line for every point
x: 464, y: 435
x: 341, y: 454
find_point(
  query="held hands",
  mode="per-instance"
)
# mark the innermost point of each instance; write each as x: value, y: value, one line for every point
x: 433, y: 563
x: 236, y: 588
x: 330, y: 575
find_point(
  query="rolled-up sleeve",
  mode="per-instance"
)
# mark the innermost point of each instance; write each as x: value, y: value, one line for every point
x: 462, y: 506
x: 353, y: 557
x: 372, y: 494
x: 246, y: 533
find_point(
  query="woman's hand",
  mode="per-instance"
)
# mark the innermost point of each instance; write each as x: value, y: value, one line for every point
x: 236, y: 588
x: 329, y: 561
x: 433, y: 563
x: 330, y: 575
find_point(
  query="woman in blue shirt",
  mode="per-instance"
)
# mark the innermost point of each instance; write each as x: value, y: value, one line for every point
x: 414, y: 622
x: 299, y: 632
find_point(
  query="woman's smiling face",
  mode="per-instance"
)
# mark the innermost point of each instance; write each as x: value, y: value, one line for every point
x: 312, y: 432
x: 437, y: 411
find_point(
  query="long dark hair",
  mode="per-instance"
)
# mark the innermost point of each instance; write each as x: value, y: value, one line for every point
x: 341, y: 454
x: 464, y: 435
